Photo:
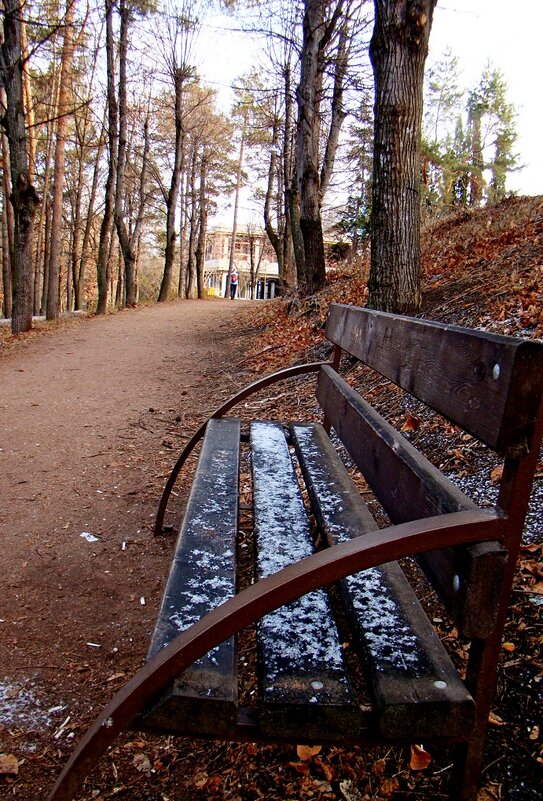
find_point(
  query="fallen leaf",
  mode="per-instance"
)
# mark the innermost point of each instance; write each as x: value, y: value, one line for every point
x: 305, y: 752
x: 388, y: 787
x: 420, y: 759
x: 537, y: 588
x: 534, y: 734
x: 142, y: 763
x: 9, y: 765
x: 349, y: 791
x: 326, y: 769
x: 495, y: 720
x: 509, y: 647
x: 486, y: 795
x: 300, y: 767
x: 412, y: 423
x: 378, y: 767
x: 116, y: 677
x: 200, y: 780
x: 496, y: 475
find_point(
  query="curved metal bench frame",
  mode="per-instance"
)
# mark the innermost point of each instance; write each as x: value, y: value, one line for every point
x: 318, y: 570
x: 251, y: 389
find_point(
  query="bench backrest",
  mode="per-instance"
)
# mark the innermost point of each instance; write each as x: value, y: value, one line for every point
x: 489, y: 385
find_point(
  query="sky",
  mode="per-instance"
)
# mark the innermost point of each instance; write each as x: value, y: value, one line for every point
x: 508, y: 35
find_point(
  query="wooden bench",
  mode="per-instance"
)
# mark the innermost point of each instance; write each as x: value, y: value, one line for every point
x: 326, y: 574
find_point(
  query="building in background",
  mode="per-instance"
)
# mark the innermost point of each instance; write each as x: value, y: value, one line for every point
x: 254, y: 262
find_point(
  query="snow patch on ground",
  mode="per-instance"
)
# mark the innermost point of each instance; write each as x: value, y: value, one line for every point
x: 20, y: 707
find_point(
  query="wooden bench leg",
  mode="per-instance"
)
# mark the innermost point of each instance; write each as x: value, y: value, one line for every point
x: 468, y: 764
x: 481, y: 681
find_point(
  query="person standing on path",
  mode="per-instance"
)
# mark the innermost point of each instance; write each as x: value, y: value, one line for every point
x: 233, y: 285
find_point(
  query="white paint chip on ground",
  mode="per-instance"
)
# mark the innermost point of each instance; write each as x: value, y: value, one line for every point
x: 88, y: 536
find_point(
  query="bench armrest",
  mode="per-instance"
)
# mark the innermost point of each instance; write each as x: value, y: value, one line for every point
x: 318, y: 570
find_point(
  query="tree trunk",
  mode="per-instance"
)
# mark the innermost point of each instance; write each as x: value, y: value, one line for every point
x: 307, y: 149
x: 477, y: 162
x: 41, y: 264
x: 398, y: 50
x: 6, y: 266
x: 289, y: 278
x: 103, y: 267
x: 273, y: 235
x: 193, y: 233
x: 202, y: 233
x: 7, y: 229
x: 24, y: 197
x: 296, y: 231
x: 80, y: 284
x: 236, y: 208
x: 52, y: 310
x: 171, y: 202
x: 127, y: 247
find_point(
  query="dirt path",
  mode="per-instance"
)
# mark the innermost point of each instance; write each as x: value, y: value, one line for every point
x: 91, y: 420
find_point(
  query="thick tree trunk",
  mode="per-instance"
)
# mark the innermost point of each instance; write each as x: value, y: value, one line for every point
x: 7, y: 229
x: 24, y: 197
x: 298, y: 249
x: 53, y: 290
x: 398, y: 50
x: 307, y: 149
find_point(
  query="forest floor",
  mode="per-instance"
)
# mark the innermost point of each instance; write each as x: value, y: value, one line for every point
x: 94, y: 412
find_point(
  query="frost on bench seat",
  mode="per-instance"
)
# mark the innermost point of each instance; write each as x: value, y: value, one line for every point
x: 415, y: 684
x: 203, y: 576
x: 303, y: 686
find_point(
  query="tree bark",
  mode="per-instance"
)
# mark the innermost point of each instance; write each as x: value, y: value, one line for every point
x: 312, y: 182
x: 236, y: 208
x: 202, y: 233
x: 125, y: 241
x: 7, y: 229
x: 53, y: 290
x: 193, y: 233
x: 398, y: 51
x: 103, y: 267
x: 312, y: 275
x: 24, y: 197
x: 171, y: 202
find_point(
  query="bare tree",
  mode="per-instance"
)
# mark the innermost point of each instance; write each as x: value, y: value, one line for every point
x: 53, y: 290
x: 181, y: 37
x: 103, y: 268
x: 321, y: 23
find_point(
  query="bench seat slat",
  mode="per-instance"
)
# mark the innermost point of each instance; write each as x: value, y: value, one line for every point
x: 303, y: 686
x: 415, y: 683
x: 202, y: 576
x: 417, y: 490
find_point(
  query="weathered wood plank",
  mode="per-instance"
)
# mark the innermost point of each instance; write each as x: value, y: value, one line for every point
x: 202, y: 576
x: 303, y: 685
x: 488, y: 384
x: 415, y: 684
x: 409, y: 487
